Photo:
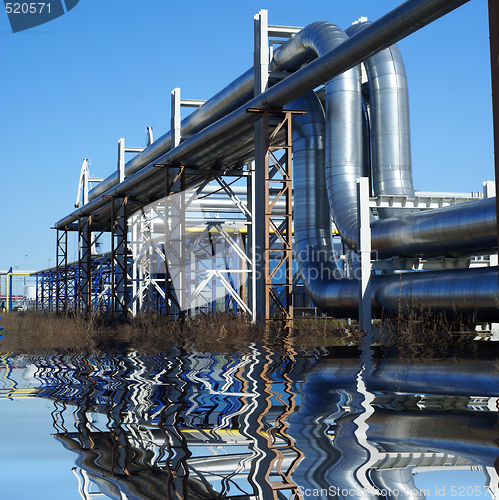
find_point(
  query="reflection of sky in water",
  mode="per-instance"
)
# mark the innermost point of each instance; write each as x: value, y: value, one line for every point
x: 33, y: 465
x: 193, y: 425
x: 453, y: 484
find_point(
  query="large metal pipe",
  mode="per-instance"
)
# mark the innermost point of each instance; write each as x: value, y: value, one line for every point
x: 338, y: 55
x: 390, y: 129
x: 469, y: 229
x: 399, y: 23
x: 470, y: 292
x: 231, y: 97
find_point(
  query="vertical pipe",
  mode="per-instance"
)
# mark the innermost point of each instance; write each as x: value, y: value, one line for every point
x: 121, y: 160
x: 8, y: 293
x: 175, y: 118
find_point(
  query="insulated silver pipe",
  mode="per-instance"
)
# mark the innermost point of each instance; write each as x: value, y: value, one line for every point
x: 228, y: 99
x: 399, y: 23
x: 467, y: 293
x: 471, y: 292
x: 390, y: 129
x: 466, y: 229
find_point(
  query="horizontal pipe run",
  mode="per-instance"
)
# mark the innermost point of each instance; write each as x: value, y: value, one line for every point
x: 399, y: 23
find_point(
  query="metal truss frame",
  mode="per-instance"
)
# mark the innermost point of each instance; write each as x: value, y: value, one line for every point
x: 83, y: 298
x: 61, y: 299
x: 148, y: 260
x: 119, y: 257
x: 278, y: 278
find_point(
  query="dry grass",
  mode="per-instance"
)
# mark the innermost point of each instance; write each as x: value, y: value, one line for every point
x: 37, y: 332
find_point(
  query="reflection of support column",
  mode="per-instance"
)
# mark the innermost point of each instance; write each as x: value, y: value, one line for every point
x: 119, y: 256
x: 84, y: 392
x: 284, y: 480
x: 61, y: 300
x: 175, y: 241
x: 176, y: 443
x: 257, y: 404
x: 120, y: 452
x: 275, y: 172
x: 271, y: 446
x: 84, y: 299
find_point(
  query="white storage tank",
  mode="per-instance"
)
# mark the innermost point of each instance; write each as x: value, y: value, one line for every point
x: 30, y: 292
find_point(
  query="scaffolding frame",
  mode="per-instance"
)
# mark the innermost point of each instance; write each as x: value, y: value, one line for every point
x: 119, y: 257
x: 83, y: 299
x: 277, y: 279
x: 61, y: 300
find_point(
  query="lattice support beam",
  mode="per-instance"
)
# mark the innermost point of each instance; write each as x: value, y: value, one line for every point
x: 119, y: 257
x: 61, y: 300
x: 84, y: 298
x: 274, y: 172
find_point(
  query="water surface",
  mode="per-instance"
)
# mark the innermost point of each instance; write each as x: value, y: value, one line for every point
x: 264, y: 423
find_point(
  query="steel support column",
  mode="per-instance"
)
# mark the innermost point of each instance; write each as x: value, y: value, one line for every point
x: 175, y: 300
x: 251, y: 241
x: 278, y: 136
x: 61, y: 300
x: 84, y: 294
x: 364, y: 251
x: 261, y: 71
x: 119, y: 257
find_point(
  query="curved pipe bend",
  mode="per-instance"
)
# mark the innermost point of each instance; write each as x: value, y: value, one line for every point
x: 390, y: 127
x: 471, y: 292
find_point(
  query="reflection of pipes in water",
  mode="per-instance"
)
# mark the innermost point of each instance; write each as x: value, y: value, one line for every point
x: 252, y: 423
x: 108, y: 458
x: 120, y: 453
x: 174, y: 405
x: 335, y: 396
x: 400, y: 482
x: 351, y: 473
x: 465, y: 434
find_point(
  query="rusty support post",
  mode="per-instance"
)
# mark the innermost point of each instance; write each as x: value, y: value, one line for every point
x: 277, y: 172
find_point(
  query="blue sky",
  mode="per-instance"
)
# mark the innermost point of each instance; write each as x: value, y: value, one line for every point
x: 72, y: 87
